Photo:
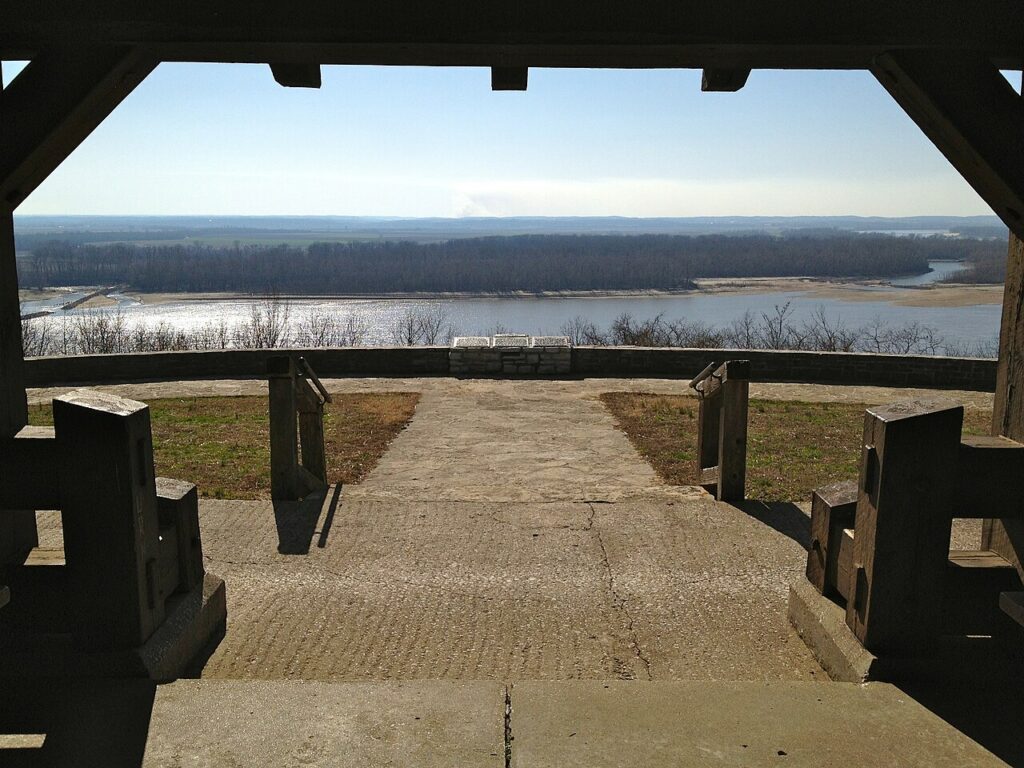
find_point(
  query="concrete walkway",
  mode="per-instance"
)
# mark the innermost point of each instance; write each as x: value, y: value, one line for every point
x: 127, y: 724
x: 511, y: 586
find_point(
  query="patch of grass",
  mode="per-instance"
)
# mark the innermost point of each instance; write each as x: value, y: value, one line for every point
x: 792, y: 447
x: 222, y: 444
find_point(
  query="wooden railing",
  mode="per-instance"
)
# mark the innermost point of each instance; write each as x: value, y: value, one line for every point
x: 296, y: 398
x: 722, y: 428
x: 881, y: 544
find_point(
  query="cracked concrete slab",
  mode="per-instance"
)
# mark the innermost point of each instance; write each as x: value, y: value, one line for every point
x: 497, y: 591
x: 283, y: 723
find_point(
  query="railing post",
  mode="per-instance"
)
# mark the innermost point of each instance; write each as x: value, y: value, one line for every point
x: 284, y: 459
x: 732, y: 433
x: 109, y: 515
x: 311, y: 434
x: 722, y: 428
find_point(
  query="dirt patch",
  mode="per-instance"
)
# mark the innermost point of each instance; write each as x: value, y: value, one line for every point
x: 222, y: 444
x: 792, y: 447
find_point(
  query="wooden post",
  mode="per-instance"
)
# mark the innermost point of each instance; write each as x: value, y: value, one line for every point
x: 732, y: 435
x: 177, y: 505
x: 709, y: 425
x: 833, y: 509
x: 109, y: 515
x: 311, y: 432
x: 722, y: 428
x: 284, y: 459
x: 903, y: 522
x: 1003, y: 535
x: 17, y: 527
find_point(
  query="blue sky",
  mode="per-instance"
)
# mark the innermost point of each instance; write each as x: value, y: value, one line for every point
x: 226, y: 139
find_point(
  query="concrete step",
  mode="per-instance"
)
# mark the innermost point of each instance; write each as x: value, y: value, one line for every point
x: 430, y: 723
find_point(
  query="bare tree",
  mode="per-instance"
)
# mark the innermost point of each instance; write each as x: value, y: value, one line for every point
x: 267, y: 326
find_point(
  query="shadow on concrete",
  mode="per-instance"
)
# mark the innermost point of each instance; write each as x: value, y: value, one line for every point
x: 783, y: 516
x: 988, y: 711
x: 325, y: 529
x: 296, y: 523
x: 80, y: 722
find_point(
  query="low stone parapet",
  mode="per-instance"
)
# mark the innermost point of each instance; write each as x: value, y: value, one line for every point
x: 510, y: 355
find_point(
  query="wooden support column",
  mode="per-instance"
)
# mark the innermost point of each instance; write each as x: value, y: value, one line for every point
x: 970, y: 112
x: 284, y: 458
x: 1006, y: 536
x: 110, y: 518
x: 17, y: 527
x: 903, y: 522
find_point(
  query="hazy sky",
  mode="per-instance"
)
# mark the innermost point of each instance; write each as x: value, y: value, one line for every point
x: 226, y: 139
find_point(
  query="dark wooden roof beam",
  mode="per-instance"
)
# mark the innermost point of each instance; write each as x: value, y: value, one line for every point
x: 972, y: 114
x: 54, y: 104
x: 805, y: 34
x: 297, y: 75
x: 509, y: 78
x: 724, y: 80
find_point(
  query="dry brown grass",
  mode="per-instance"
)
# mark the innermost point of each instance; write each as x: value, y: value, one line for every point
x: 792, y: 447
x: 222, y: 444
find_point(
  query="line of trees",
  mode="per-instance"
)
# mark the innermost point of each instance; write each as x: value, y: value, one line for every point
x: 528, y: 263
x: 273, y: 324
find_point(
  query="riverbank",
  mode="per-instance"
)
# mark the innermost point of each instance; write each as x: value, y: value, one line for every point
x: 933, y: 295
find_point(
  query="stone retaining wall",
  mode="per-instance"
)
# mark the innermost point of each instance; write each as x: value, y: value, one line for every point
x: 615, y: 362
x: 522, y: 361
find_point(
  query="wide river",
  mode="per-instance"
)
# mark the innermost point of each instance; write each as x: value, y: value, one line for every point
x: 854, y: 306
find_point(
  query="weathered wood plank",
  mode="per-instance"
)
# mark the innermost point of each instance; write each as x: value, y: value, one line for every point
x: 833, y: 508
x: 284, y: 458
x: 903, y: 524
x: 177, y: 503
x: 311, y: 436
x: 990, y: 478
x: 109, y: 515
x: 843, y: 576
x: 974, y: 581
x: 1007, y: 536
x: 732, y: 441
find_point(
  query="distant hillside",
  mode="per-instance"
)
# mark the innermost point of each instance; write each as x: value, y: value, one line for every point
x: 530, y: 263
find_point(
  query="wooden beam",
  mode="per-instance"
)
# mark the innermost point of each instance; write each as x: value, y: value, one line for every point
x: 509, y: 78
x: 970, y: 112
x: 658, y: 33
x: 723, y: 80
x: 299, y: 75
x: 1007, y: 536
x: 17, y: 527
x: 54, y: 104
